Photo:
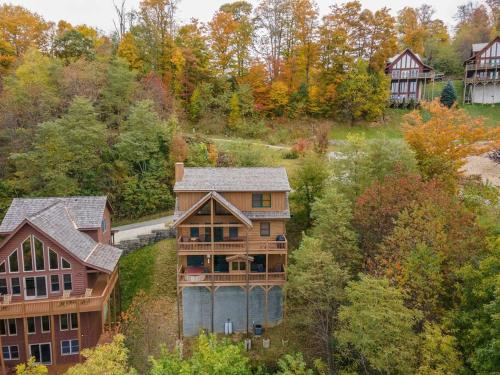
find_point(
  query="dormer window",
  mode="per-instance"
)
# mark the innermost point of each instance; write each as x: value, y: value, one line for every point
x: 261, y: 200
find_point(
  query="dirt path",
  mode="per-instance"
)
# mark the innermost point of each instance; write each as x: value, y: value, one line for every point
x: 484, y: 167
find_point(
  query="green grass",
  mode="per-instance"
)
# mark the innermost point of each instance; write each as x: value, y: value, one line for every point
x: 490, y: 113
x: 151, y: 269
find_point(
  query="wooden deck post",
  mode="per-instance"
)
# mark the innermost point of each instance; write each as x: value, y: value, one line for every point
x: 25, y: 334
x: 79, y: 330
x: 4, y: 371
x: 53, y: 338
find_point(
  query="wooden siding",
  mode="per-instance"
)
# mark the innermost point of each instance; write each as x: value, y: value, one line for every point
x: 242, y: 200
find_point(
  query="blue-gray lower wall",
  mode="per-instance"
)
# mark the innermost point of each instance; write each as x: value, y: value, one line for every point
x: 229, y: 303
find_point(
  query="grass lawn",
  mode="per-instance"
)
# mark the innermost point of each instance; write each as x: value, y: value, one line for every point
x: 151, y: 269
x: 490, y: 113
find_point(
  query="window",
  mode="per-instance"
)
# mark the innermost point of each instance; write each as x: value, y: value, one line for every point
x: 15, y: 286
x: 54, y: 283
x: 45, y: 320
x: 10, y: 352
x: 27, y: 259
x: 238, y: 266
x: 265, y: 229
x: 2, y: 267
x: 63, y: 322
x: 67, y: 283
x: 194, y: 232
x: 68, y: 320
x: 205, y: 210
x: 65, y: 265
x: 3, y: 286
x: 69, y: 347
x: 39, y: 257
x: 12, y: 327
x: 103, y: 225
x: 35, y: 287
x: 233, y: 232
x: 413, y: 86
x: 261, y: 200
x: 13, y: 264
x: 195, y: 260
x: 53, y: 263
x: 42, y: 353
x: 31, y: 325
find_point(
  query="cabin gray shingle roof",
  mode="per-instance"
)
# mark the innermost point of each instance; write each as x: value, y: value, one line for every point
x: 233, y: 179
x: 476, y: 47
x: 60, y: 219
x: 87, y: 212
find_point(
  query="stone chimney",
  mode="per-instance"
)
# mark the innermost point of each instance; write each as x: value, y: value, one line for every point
x: 179, y: 172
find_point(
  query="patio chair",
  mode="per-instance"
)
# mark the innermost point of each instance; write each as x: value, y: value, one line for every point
x: 88, y: 292
x: 66, y: 294
x: 7, y: 298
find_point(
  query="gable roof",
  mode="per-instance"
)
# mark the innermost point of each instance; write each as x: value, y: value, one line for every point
x: 87, y: 212
x: 221, y: 200
x: 395, y: 58
x: 233, y: 179
x: 58, y: 222
x: 478, y: 48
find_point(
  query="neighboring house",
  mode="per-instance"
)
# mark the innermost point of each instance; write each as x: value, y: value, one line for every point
x: 58, y: 273
x: 482, y: 73
x: 411, y: 79
x: 231, y: 246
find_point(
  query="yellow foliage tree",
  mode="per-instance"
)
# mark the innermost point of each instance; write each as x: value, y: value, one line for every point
x: 31, y: 368
x: 279, y: 96
x: 443, y: 137
x: 129, y: 51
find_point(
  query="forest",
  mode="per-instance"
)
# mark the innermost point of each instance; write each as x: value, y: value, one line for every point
x: 132, y: 101
x: 394, y: 253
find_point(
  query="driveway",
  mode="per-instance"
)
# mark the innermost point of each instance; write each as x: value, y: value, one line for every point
x: 131, y: 231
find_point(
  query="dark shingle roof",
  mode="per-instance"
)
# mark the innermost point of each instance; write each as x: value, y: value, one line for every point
x: 87, y: 212
x: 60, y: 221
x: 233, y: 179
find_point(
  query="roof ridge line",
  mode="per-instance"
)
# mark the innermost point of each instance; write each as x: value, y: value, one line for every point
x: 44, y: 209
x: 91, y: 252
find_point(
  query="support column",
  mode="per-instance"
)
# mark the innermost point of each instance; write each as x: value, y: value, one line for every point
x: 2, y: 361
x: 79, y: 332
x: 53, y: 338
x: 25, y: 334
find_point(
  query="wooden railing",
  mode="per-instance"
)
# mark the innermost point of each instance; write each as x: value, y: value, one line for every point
x: 229, y: 278
x: 232, y: 246
x: 395, y: 75
x: 60, y: 305
x: 482, y: 66
x: 484, y: 79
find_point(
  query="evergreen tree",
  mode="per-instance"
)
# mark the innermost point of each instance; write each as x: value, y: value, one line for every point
x: 448, y: 95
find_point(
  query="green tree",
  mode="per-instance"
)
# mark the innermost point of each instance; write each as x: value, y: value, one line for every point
x: 448, y: 95
x: 332, y: 217
x: 210, y: 356
x: 438, y: 352
x: 315, y: 290
x: 475, y: 321
x: 31, y: 368
x: 235, y: 114
x: 109, y: 359
x: 117, y: 94
x: 73, y: 45
x: 378, y: 325
x: 293, y: 364
x: 308, y: 183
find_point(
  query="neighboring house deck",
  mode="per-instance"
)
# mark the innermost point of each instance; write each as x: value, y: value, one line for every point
x: 231, y: 244
x: 482, y: 73
x: 58, y: 273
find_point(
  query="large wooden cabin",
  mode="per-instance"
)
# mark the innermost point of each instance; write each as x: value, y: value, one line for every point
x: 482, y: 73
x: 411, y: 79
x: 231, y: 246
x: 58, y: 273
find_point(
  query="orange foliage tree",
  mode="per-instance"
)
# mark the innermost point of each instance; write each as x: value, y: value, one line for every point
x: 443, y: 137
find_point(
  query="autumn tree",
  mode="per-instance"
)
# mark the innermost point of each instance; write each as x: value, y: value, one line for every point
x: 73, y: 45
x: 316, y: 290
x: 443, y: 137
x: 109, y: 359
x: 31, y: 368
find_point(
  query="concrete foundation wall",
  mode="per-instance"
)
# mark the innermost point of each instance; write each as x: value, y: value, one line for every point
x: 486, y: 94
x: 229, y: 303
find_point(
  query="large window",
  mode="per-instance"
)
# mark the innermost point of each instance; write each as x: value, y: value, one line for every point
x: 27, y: 258
x: 2, y: 267
x: 36, y: 287
x: 194, y: 232
x: 42, y: 353
x: 67, y: 321
x: 8, y: 326
x: 10, y: 352
x: 45, y: 323
x: 65, y: 265
x: 233, y: 232
x: 69, y: 347
x: 39, y: 257
x: 53, y: 261
x: 13, y: 263
x: 261, y: 200
x: 31, y: 325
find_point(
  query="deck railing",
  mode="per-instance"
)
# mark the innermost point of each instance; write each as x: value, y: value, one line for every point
x: 482, y: 66
x: 59, y: 305
x: 232, y: 246
x: 238, y: 278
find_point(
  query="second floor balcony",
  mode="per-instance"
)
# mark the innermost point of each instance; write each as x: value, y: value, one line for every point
x: 202, y: 245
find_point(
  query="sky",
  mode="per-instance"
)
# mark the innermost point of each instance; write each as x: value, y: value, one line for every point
x: 100, y: 13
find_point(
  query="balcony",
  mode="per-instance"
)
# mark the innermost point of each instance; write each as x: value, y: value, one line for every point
x: 228, y: 279
x: 100, y: 294
x: 483, y: 79
x: 412, y: 75
x: 482, y: 66
x: 193, y: 246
